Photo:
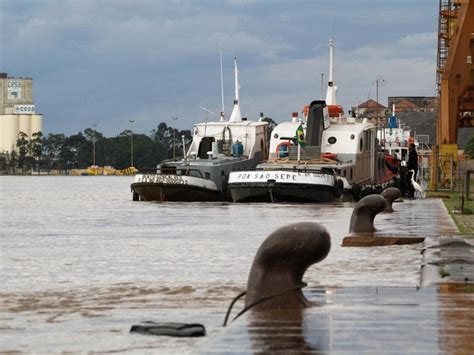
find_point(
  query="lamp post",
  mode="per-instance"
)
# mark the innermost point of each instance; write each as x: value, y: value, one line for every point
x: 174, y: 140
x: 131, y: 142
x: 379, y: 81
x: 93, y: 144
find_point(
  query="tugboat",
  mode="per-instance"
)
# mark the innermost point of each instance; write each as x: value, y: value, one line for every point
x: 317, y: 159
x: 395, y: 139
x: 217, y: 149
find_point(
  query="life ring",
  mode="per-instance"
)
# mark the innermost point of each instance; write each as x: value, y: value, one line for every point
x: 287, y: 144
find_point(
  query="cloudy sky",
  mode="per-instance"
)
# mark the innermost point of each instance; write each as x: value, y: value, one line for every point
x: 106, y: 62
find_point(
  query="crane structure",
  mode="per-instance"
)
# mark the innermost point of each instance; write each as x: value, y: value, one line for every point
x: 455, y: 83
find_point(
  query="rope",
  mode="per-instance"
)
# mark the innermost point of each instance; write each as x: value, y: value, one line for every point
x: 297, y: 287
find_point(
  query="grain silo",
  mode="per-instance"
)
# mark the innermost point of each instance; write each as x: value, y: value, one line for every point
x: 25, y: 124
x: 36, y: 123
x: 17, y: 111
x: 10, y: 132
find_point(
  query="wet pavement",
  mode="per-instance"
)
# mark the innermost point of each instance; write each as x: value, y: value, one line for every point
x: 358, y: 320
x: 435, y: 317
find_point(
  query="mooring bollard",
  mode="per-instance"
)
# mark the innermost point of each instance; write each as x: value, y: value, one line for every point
x: 275, y: 279
x: 362, y: 220
x: 362, y: 224
x: 390, y: 194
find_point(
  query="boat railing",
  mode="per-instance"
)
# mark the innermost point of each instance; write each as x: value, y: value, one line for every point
x: 183, y: 171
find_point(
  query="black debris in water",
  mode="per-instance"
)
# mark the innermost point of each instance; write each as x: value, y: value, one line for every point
x: 169, y: 329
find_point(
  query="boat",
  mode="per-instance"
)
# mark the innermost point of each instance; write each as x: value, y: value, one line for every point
x: 322, y: 157
x: 395, y: 138
x: 217, y: 149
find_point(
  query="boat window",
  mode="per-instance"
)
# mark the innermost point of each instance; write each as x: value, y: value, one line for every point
x: 332, y: 140
x: 367, y: 141
x: 275, y: 135
x: 361, y: 144
x: 353, y: 136
x: 205, y: 146
x: 207, y: 175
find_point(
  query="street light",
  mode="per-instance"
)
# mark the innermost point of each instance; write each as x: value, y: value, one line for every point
x: 174, y: 140
x: 93, y: 144
x: 131, y: 142
x: 378, y: 82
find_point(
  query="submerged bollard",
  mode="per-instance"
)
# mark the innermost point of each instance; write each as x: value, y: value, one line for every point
x: 365, y: 210
x: 275, y: 279
x: 390, y: 194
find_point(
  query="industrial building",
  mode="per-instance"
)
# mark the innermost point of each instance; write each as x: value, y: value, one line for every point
x: 17, y: 111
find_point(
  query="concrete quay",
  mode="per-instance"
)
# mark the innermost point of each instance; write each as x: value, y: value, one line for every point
x: 434, y: 317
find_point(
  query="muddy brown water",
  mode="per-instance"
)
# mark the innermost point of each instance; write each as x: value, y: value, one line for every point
x: 81, y: 262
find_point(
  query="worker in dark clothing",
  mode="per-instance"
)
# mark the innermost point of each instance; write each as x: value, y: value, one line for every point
x: 412, y: 165
x: 413, y: 160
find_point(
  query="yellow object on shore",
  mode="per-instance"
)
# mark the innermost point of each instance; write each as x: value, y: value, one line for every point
x: 95, y: 170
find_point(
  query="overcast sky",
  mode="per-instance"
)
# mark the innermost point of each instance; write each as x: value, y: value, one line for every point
x: 108, y: 62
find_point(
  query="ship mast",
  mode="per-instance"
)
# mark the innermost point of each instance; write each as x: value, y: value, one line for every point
x: 331, y: 93
x: 236, y: 116
x: 222, y: 91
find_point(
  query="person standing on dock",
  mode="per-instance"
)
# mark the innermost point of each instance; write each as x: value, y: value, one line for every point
x: 413, y: 160
x: 412, y: 165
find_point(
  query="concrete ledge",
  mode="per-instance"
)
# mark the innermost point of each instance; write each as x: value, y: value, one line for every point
x: 447, y: 259
x: 377, y: 241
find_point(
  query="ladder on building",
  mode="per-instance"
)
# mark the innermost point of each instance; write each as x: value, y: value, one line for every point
x: 448, y: 12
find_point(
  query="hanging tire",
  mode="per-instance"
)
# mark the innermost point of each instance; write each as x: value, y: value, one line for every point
x: 338, y: 188
x: 135, y: 196
x: 356, y: 192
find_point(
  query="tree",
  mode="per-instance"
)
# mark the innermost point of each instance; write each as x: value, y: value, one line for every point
x: 469, y: 148
x: 53, y: 145
x: 76, y: 152
x: 36, y: 149
x: 22, y: 145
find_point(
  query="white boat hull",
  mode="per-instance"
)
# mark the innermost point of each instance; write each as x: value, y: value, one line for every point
x: 281, y: 186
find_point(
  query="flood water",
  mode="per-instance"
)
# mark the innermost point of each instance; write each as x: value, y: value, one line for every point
x: 80, y: 262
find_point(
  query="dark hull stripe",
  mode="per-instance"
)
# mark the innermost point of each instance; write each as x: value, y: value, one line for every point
x: 282, y: 193
x: 178, y: 192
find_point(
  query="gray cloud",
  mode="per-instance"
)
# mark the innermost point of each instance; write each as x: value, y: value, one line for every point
x: 110, y: 61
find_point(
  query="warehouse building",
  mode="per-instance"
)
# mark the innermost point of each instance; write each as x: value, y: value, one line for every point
x: 17, y: 111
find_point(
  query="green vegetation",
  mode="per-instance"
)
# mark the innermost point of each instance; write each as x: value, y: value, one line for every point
x: 469, y: 148
x: 443, y: 272
x: 452, y: 200
x: 60, y: 152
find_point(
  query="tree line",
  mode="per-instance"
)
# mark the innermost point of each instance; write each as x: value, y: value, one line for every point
x: 78, y: 151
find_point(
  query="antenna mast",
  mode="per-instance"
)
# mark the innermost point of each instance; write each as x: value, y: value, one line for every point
x: 331, y: 93
x: 222, y: 90
x: 236, y: 116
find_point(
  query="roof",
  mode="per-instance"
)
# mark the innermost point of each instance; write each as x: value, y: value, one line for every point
x: 425, y: 123
x: 371, y: 104
x: 405, y: 104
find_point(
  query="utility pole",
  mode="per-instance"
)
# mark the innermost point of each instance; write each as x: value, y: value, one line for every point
x: 93, y: 144
x: 379, y: 81
x: 131, y: 142
x: 174, y: 138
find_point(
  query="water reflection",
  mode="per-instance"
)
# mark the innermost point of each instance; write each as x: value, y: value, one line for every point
x: 289, y: 330
x: 456, y: 318
x: 78, y: 252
